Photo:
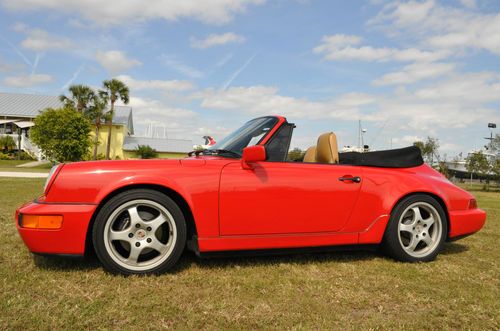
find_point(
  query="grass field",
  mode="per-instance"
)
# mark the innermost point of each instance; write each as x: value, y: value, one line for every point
x: 10, y: 165
x: 348, y: 290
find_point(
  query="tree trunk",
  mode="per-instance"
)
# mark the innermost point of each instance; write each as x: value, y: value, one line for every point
x: 96, y: 139
x: 110, y: 128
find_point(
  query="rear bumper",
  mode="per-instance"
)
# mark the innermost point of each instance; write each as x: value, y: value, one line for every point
x: 465, y: 222
x: 69, y: 239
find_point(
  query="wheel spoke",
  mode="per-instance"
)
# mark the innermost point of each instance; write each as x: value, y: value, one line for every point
x: 134, y: 215
x: 429, y: 221
x: 157, y: 246
x: 134, y: 253
x: 427, y: 240
x: 119, y: 235
x: 157, y: 222
x: 406, y: 227
x: 416, y: 214
x: 413, y: 244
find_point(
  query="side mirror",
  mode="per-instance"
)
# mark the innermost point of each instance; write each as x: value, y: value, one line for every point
x: 251, y: 154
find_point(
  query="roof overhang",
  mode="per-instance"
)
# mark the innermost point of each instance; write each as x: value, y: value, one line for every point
x: 24, y: 124
x: 7, y: 121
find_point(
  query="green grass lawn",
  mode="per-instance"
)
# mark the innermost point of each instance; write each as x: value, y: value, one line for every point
x: 348, y: 290
x: 11, y: 165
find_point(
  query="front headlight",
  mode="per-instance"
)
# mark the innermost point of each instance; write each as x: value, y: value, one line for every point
x: 51, y: 177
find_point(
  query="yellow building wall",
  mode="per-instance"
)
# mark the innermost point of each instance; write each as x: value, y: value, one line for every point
x: 117, y: 136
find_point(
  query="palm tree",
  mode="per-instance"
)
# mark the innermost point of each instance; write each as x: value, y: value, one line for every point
x: 81, y: 96
x: 113, y: 90
x: 95, y: 113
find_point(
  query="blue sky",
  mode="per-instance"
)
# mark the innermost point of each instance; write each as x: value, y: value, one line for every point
x: 407, y: 69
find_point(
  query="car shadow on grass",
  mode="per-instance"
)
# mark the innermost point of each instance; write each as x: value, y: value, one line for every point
x: 243, y: 259
x: 453, y: 248
x: 66, y: 263
x: 270, y: 258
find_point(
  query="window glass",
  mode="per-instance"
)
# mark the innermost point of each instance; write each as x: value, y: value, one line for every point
x: 249, y: 134
x: 277, y: 148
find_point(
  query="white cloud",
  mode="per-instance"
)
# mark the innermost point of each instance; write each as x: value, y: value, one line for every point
x: 178, y: 66
x: 216, y: 40
x: 39, y: 40
x: 162, y: 85
x: 116, y: 61
x: 121, y: 12
x: 469, y: 3
x: 345, y: 47
x: 441, y: 27
x: 415, y: 72
x: 28, y: 80
x: 8, y: 67
x: 265, y: 100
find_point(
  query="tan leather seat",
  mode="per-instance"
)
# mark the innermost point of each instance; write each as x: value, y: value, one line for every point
x: 310, y: 155
x: 326, y: 149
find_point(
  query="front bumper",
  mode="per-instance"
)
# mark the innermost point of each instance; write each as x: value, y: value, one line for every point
x: 69, y: 239
x: 465, y: 222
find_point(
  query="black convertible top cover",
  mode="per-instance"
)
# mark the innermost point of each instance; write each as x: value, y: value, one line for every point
x: 393, y: 158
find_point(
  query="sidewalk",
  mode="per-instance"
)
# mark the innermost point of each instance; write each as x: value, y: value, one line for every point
x: 23, y: 174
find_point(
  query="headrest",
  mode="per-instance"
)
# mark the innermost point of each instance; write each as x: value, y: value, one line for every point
x: 326, y: 149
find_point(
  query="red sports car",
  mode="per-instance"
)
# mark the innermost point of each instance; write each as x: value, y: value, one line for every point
x: 243, y: 194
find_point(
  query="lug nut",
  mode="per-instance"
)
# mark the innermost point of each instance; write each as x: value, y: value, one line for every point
x: 137, y: 225
x: 137, y: 244
x: 130, y: 235
x: 149, y: 240
x: 149, y: 228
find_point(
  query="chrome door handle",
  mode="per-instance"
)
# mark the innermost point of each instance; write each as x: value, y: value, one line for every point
x: 350, y: 179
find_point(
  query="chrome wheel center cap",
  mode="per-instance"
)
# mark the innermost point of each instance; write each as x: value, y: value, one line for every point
x: 140, y: 234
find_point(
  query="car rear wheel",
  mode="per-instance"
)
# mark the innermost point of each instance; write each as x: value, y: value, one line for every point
x: 139, y: 231
x: 417, y: 229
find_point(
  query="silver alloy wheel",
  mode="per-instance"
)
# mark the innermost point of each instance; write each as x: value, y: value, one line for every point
x: 140, y: 244
x: 420, y: 229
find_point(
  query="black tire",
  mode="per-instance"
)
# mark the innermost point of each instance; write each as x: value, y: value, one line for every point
x: 164, y: 263
x: 393, y: 243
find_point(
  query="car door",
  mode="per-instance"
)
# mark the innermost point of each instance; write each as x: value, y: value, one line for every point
x: 286, y: 197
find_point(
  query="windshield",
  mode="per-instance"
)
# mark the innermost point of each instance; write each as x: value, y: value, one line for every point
x: 248, y: 135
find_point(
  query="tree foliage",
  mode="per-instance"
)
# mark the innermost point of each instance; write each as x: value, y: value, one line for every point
x: 62, y: 134
x: 296, y: 154
x: 477, y: 163
x: 495, y: 169
x: 80, y: 97
x: 7, y: 143
x: 429, y: 149
x: 146, y: 152
x: 113, y: 90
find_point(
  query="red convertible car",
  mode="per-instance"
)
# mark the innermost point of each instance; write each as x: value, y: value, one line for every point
x: 243, y: 194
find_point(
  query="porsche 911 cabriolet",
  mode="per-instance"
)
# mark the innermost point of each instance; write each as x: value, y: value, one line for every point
x: 243, y: 194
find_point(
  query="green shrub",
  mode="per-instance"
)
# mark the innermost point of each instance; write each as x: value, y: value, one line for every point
x: 4, y: 156
x: 62, y: 134
x: 7, y: 143
x: 146, y: 152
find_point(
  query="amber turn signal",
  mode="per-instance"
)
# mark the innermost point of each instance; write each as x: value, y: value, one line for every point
x: 40, y: 221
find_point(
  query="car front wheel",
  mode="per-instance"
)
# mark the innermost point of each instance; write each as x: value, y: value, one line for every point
x: 417, y: 229
x: 139, y: 231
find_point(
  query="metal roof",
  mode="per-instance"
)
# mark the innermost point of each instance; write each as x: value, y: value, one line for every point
x: 26, y: 105
x: 160, y: 145
x: 30, y: 106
